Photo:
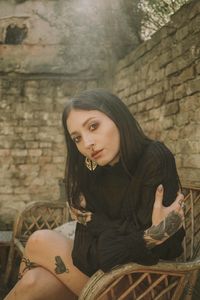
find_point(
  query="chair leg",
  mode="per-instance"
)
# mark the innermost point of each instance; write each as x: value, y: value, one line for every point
x: 9, y: 264
x: 190, y: 287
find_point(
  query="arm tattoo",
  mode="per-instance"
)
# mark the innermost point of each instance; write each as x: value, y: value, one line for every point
x: 157, y: 234
x: 60, y: 266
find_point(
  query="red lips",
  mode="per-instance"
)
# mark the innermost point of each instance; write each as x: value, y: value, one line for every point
x: 95, y: 154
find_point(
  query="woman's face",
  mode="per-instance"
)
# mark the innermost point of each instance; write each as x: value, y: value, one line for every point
x: 95, y: 135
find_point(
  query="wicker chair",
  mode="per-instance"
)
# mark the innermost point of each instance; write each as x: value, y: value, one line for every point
x: 164, y: 281
x: 35, y: 216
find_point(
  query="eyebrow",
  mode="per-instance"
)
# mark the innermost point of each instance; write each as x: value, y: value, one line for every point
x: 83, y: 125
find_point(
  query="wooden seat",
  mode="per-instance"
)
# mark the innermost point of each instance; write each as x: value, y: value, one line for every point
x: 35, y: 216
x: 164, y: 281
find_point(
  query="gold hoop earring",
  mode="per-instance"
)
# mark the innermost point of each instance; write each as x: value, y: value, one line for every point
x: 90, y: 164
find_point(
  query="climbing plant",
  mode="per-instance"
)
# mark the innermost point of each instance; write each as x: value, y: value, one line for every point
x: 156, y: 13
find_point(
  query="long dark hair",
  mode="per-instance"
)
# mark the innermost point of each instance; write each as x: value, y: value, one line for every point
x: 132, y: 139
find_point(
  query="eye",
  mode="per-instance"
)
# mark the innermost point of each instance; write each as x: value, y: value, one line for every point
x: 93, y: 126
x: 76, y: 139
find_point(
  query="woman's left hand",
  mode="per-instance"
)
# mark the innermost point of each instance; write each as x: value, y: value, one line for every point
x: 160, y: 212
x: 166, y: 221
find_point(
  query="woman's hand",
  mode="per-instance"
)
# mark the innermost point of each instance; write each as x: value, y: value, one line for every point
x: 165, y: 220
x: 160, y: 212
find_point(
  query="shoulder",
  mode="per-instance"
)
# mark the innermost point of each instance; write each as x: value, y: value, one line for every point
x: 157, y: 164
x: 157, y: 153
x: 158, y: 149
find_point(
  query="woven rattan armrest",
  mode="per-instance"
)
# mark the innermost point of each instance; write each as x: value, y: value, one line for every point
x: 103, y: 283
x: 19, y: 246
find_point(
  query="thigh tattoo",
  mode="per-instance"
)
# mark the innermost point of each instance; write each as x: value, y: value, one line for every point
x: 60, y: 266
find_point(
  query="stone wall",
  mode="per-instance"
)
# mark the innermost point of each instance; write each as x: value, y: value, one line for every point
x: 32, y: 147
x: 49, y: 50
x: 160, y: 82
x: 63, y: 36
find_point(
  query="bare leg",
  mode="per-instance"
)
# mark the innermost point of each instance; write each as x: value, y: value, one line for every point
x: 52, y: 251
x: 39, y: 284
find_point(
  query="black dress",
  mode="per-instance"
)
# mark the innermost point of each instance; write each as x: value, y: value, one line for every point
x: 122, y: 210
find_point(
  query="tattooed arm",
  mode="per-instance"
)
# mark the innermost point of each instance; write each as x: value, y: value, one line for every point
x: 157, y: 234
x: 166, y: 221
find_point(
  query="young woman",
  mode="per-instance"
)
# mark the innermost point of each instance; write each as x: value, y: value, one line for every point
x: 122, y: 189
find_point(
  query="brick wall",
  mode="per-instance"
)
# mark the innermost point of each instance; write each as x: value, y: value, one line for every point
x: 160, y: 82
x: 32, y: 147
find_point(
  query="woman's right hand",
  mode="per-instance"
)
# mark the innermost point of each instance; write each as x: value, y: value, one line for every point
x: 165, y: 220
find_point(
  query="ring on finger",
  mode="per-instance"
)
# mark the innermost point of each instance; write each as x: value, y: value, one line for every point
x: 181, y: 203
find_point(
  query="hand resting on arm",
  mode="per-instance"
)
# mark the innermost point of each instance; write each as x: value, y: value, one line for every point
x: 166, y: 221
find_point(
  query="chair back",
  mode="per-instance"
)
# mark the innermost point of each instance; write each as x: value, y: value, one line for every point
x: 191, y: 242
x: 39, y: 215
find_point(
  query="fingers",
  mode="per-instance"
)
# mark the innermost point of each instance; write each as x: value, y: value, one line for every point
x: 159, y: 196
x: 178, y: 204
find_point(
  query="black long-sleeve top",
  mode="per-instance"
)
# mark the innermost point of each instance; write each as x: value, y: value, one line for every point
x: 122, y: 209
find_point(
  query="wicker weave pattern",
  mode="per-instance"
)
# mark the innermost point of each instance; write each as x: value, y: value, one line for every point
x: 192, y: 225
x: 164, y: 281
x: 35, y: 216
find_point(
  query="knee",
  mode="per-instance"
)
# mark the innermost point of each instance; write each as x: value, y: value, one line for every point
x: 29, y: 282
x: 37, y: 240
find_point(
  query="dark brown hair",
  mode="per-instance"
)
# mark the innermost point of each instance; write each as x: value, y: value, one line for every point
x: 132, y: 139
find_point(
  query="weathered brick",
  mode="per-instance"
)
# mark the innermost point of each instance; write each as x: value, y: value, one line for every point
x: 169, y: 96
x: 58, y: 159
x: 185, y: 75
x: 34, y: 152
x: 171, y: 109
x: 158, y: 100
x: 32, y: 145
x: 154, y: 114
x: 18, y: 152
x: 171, y: 68
x: 168, y: 123
x: 182, y: 33
x: 45, y: 145
x: 193, y: 86
x: 165, y: 58
x: 5, y: 152
x: 179, y: 91
x: 191, y: 161
x: 182, y: 119
x: 6, y: 189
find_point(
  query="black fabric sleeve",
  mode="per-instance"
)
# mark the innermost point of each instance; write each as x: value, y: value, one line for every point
x: 115, y: 245
x: 100, y: 223
x: 114, y: 249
